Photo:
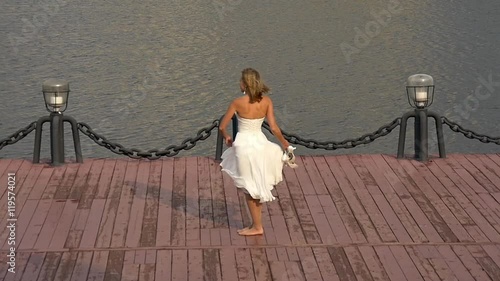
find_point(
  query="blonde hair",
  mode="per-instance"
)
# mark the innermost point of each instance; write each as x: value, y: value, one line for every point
x: 254, y: 87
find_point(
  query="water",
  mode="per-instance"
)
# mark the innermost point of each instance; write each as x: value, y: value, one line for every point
x: 150, y: 74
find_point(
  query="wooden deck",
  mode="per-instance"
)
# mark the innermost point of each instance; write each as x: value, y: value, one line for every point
x: 350, y: 217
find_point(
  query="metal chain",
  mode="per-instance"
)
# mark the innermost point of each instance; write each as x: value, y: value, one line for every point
x: 348, y: 143
x: 19, y: 135
x: 151, y: 154
x: 469, y: 133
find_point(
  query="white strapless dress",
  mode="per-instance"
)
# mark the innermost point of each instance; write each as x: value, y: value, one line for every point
x: 253, y: 162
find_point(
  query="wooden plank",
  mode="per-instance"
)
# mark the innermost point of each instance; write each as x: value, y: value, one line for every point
x: 50, y: 224
x: 371, y: 206
x: 23, y: 182
x: 130, y: 270
x: 21, y: 224
x: 77, y: 227
x: 303, y: 178
x: 218, y: 200
x: 28, y: 240
x: 478, y: 171
x: 373, y: 263
x: 233, y: 210
x: 146, y: 272
x: 179, y: 203
x: 192, y: 203
x: 135, y: 220
x: 63, y: 226
x: 351, y: 195
x: 148, y: 233
x: 196, y: 269
x: 308, y: 264
x: 116, y: 185
x: 406, y: 263
x: 437, y: 261
x: 464, y: 173
x: 90, y: 232
x: 41, y: 183
x: 431, y: 186
x: 424, y: 213
x: 49, y: 266
x: 325, y: 264
x: 476, y: 211
x: 62, y: 177
x: 306, y: 220
x: 114, y: 266
x: 123, y: 213
x: 205, y: 194
x: 401, y: 201
x: 179, y: 265
x: 470, y: 263
x: 87, y: 193
x: 279, y: 271
x: 454, y: 262
x: 163, y: 234
x: 22, y: 259
x: 260, y: 264
x: 320, y: 220
x: 338, y: 204
x: 423, y: 265
x: 74, y: 181
x: 244, y: 264
x: 66, y: 266
x: 486, y: 166
x: 228, y: 264
x: 34, y: 266
x: 111, y: 208
x: 82, y: 266
x: 399, y: 218
x: 107, y: 175
x: 390, y: 263
x: 20, y: 169
x: 342, y: 264
x: 98, y: 268
x: 358, y: 265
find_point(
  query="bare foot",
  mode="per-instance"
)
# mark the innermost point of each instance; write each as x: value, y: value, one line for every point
x: 251, y: 231
x: 244, y: 229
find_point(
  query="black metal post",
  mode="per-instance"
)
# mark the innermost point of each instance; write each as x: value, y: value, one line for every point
x: 76, y: 137
x: 220, y: 139
x: 422, y: 139
x: 439, y: 132
x: 417, y: 137
x: 56, y: 138
x: 219, y: 144
x: 402, y: 133
x: 235, y: 126
x: 57, y: 120
x: 421, y: 134
x: 38, y: 138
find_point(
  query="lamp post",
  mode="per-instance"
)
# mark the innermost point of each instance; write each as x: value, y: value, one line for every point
x: 55, y: 94
x: 420, y: 92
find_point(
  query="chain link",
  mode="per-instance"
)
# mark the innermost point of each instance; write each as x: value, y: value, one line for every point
x: 151, y: 154
x: 19, y: 135
x: 469, y: 133
x: 348, y: 143
x: 204, y: 133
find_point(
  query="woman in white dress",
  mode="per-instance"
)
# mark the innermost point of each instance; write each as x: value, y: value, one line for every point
x: 252, y: 161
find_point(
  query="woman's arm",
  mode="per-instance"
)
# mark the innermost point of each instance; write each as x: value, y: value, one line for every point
x: 231, y: 110
x: 274, y: 126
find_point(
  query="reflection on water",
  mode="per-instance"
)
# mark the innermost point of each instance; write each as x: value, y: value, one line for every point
x: 150, y: 74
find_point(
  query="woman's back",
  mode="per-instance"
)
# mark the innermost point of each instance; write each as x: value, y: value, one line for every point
x: 255, y: 110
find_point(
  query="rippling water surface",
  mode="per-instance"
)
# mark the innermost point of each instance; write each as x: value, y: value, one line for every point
x: 149, y: 74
